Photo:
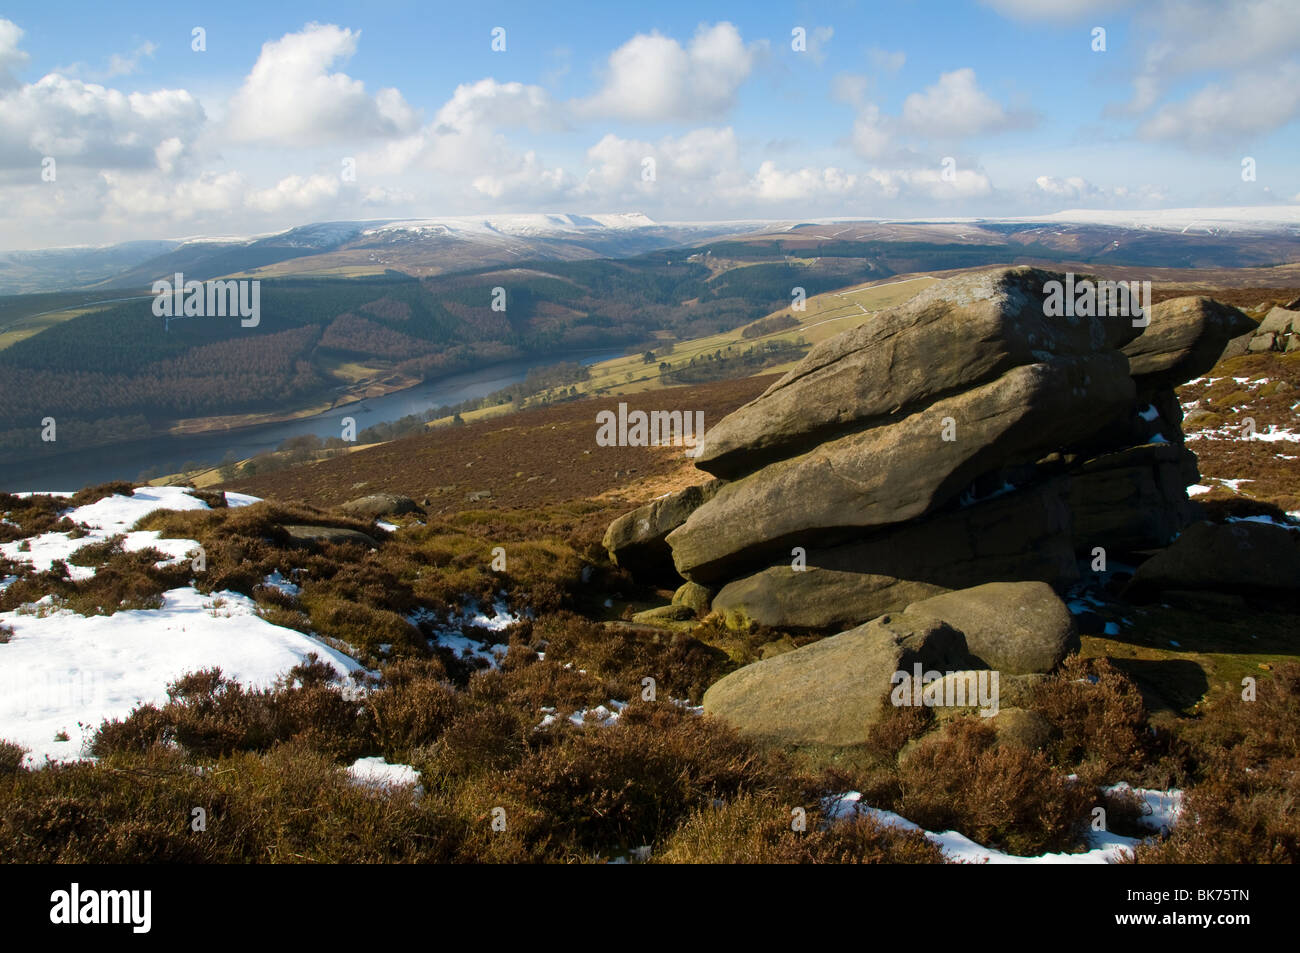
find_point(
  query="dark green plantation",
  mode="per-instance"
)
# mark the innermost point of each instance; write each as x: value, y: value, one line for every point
x: 123, y: 373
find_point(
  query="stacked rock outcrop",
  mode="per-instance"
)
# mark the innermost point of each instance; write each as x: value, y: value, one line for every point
x: 966, y: 437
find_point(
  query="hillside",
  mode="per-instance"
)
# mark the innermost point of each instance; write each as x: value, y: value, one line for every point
x: 364, y: 658
x: 111, y: 375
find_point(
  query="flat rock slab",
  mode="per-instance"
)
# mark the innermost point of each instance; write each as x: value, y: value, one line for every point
x: 957, y: 333
x: 307, y: 535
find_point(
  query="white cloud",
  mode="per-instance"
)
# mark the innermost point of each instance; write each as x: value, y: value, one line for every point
x: 119, y: 65
x: 818, y: 39
x: 295, y: 192
x: 884, y: 61
x: 1228, y: 115
x: 871, y: 135
x: 1186, y: 37
x: 462, y: 141
x: 1202, y: 34
x: 530, y: 181
x: 488, y: 103
x: 954, y: 107
x: 851, y: 88
x: 653, y: 77
x: 1073, y: 188
x: 134, y: 196
x: 1077, y: 192
x: 932, y: 183
x: 88, y: 124
x: 772, y: 184
x: 698, y: 169
x: 704, y: 169
x: 291, y: 98
x: 11, y: 58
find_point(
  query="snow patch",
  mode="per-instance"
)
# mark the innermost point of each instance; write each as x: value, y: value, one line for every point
x: 377, y: 774
x: 1103, y: 846
x: 63, y: 673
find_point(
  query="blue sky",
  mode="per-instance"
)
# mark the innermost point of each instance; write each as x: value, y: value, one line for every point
x: 112, y: 127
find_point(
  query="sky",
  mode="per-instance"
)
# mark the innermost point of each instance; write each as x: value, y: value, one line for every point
x: 164, y: 120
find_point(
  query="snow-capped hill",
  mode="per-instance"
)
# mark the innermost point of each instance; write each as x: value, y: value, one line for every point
x: 1248, y: 218
x: 547, y: 225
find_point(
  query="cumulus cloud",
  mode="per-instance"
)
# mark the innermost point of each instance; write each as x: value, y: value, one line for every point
x: 1227, y: 115
x: 1185, y: 37
x: 1073, y: 187
x: 133, y: 195
x: 653, y: 77
x: 530, y: 180
x: 488, y: 103
x: 1190, y: 35
x: 618, y: 166
x: 464, y: 141
x: 952, y: 108
x: 955, y: 106
x: 88, y: 124
x: 1080, y: 192
x: 706, y: 169
x: 295, y: 192
x: 770, y: 183
x: 291, y: 98
x: 11, y: 58
x: 932, y: 183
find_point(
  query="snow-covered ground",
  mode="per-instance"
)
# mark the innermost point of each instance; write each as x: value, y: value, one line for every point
x: 449, y: 634
x: 113, y: 516
x: 62, y: 674
x: 378, y: 774
x: 1165, y: 807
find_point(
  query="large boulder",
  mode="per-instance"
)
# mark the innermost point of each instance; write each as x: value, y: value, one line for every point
x: 1242, y: 556
x: 1184, y: 338
x: 830, y: 692
x: 1021, y: 535
x: 636, y: 540
x: 956, y: 334
x: 1020, y: 628
x: 899, y: 471
x: 380, y: 504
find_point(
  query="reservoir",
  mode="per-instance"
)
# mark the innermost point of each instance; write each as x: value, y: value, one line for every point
x: 169, y: 453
